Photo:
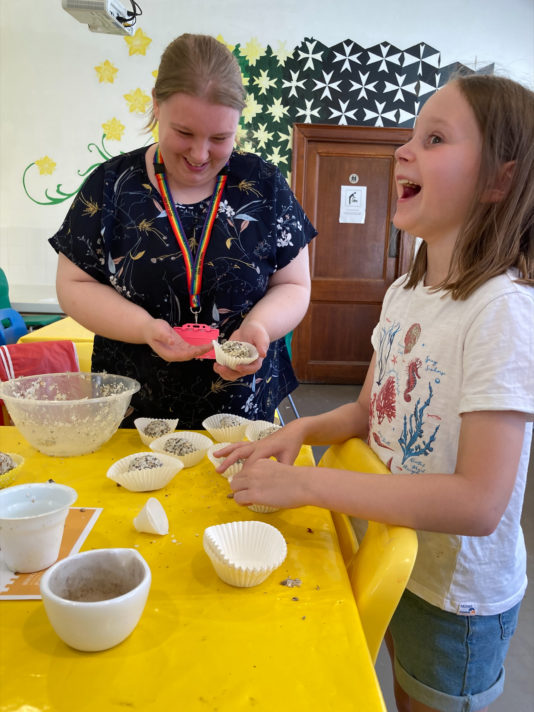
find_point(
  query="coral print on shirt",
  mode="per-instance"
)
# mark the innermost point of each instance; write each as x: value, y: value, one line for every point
x: 402, y: 418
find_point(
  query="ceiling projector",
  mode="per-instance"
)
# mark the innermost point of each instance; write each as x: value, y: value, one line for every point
x: 106, y: 16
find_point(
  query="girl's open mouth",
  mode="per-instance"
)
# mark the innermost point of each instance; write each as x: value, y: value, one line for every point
x: 409, y: 188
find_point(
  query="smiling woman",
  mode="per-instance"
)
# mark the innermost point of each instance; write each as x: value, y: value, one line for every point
x: 189, y: 230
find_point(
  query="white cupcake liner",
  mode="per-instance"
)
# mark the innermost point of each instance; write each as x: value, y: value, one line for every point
x: 7, y: 478
x: 255, y: 428
x: 232, y: 361
x: 141, y: 423
x: 244, y: 553
x: 262, y: 508
x: 145, y: 480
x: 216, y: 461
x: 152, y: 519
x: 200, y: 442
x: 225, y: 433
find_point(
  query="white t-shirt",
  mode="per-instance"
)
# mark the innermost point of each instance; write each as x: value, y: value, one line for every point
x: 435, y: 359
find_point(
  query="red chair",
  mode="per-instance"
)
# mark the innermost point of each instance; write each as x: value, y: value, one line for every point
x: 33, y: 358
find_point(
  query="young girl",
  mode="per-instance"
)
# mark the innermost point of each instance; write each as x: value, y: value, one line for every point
x: 448, y: 400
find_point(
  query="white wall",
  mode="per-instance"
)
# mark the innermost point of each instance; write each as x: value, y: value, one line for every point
x: 52, y: 103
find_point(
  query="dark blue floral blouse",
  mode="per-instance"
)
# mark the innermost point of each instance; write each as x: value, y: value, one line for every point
x: 118, y: 232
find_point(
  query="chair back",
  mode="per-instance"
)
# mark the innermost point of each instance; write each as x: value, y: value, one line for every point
x: 12, y: 326
x: 4, y: 291
x: 379, y: 568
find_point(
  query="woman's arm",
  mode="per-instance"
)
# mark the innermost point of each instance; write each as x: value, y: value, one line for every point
x: 104, y: 311
x: 278, y: 312
x: 470, y: 501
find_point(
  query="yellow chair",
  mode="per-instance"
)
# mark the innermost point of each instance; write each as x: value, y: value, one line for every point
x: 379, y: 568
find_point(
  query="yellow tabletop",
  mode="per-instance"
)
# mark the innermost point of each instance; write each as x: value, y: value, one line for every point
x: 200, y: 644
x: 63, y: 330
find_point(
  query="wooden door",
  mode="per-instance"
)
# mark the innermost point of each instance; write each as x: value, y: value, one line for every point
x: 352, y: 264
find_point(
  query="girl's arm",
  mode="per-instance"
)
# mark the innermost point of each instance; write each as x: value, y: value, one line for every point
x: 278, y: 312
x: 104, y: 311
x: 336, y: 426
x: 470, y: 501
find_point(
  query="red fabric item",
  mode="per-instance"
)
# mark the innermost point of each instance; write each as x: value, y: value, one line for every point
x: 33, y: 358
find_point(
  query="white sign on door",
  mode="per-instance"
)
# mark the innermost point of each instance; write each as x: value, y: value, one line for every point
x: 352, y: 204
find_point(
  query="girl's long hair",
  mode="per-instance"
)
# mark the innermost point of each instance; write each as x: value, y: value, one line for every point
x: 498, y: 235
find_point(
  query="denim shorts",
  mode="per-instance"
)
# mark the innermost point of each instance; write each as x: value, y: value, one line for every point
x: 450, y: 662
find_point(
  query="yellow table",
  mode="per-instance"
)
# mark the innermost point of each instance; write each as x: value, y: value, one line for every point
x: 66, y: 330
x: 200, y: 644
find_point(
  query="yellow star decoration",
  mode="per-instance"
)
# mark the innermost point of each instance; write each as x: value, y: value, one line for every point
x: 46, y: 166
x: 113, y: 129
x: 251, y: 108
x: 288, y: 137
x: 244, y: 79
x: 138, y: 101
x: 282, y: 53
x: 138, y: 43
x: 262, y: 135
x: 155, y: 73
x: 264, y: 82
x: 252, y: 51
x: 155, y: 133
x: 276, y: 110
x: 220, y: 39
x: 275, y: 156
x: 106, y: 72
x: 241, y: 135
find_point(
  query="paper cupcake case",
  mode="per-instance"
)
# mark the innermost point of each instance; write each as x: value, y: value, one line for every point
x: 244, y: 553
x: 7, y: 478
x: 262, y: 508
x: 216, y: 461
x: 145, y: 480
x: 225, y: 433
x: 256, y: 427
x: 141, y: 424
x: 152, y: 519
x: 200, y: 442
x: 231, y: 361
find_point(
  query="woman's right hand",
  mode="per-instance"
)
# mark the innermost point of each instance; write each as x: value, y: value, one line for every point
x: 164, y: 341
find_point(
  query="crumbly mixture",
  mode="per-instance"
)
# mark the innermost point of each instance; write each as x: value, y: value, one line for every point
x: 179, y: 446
x: 229, y: 421
x: 268, y: 431
x: 236, y: 348
x: 156, y: 428
x: 145, y: 462
x: 6, y: 463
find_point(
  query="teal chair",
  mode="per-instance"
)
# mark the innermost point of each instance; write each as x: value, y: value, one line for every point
x: 32, y: 321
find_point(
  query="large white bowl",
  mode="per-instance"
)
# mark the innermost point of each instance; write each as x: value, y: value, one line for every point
x: 66, y: 414
x: 95, y: 599
x: 244, y: 553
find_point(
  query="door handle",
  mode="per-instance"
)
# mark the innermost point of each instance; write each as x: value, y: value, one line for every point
x: 394, y: 241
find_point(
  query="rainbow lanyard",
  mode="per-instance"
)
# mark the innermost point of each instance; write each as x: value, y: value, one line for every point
x: 193, y: 267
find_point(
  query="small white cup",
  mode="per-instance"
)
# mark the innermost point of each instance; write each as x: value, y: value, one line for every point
x: 152, y: 519
x: 32, y: 520
x: 95, y: 599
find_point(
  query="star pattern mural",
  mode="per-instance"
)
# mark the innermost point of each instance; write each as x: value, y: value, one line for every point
x: 345, y: 84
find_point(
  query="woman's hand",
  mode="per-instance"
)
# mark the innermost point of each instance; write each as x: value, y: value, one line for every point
x: 164, y: 341
x: 253, y: 333
x: 271, y: 483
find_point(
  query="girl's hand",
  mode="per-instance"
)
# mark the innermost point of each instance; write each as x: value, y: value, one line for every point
x: 164, y: 341
x: 284, y: 445
x: 271, y: 483
x: 253, y: 333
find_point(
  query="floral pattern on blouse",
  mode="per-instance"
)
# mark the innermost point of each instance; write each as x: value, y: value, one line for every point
x: 118, y: 232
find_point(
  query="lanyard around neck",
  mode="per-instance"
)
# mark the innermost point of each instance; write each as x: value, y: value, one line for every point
x: 193, y: 266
